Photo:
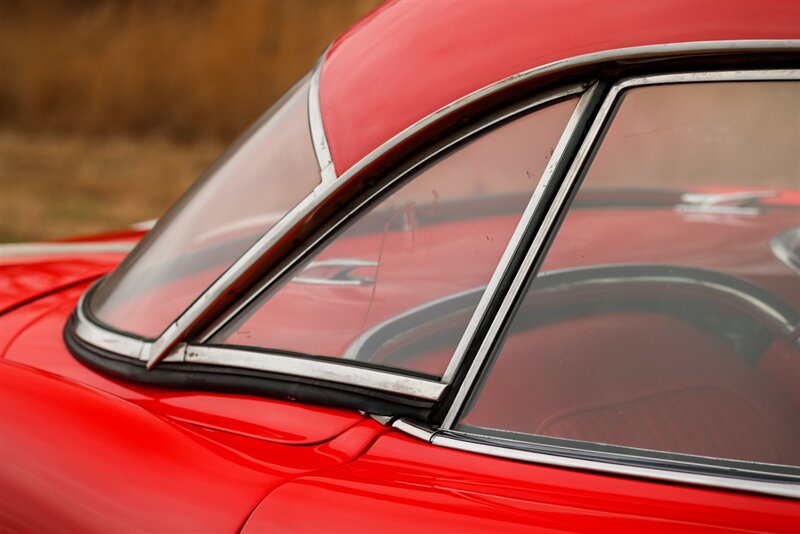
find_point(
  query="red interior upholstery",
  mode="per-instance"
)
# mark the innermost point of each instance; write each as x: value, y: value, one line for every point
x: 642, y: 380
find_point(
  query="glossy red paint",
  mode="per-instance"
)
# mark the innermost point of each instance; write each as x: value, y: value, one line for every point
x: 26, y: 278
x: 424, y: 55
x: 76, y: 459
x: 38, y: 344
x: 84, y: 452
x: 405, y: 485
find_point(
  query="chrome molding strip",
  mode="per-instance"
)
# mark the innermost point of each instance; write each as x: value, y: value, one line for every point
x: 516, y: 238
x: 738, y: 484
x: 327, y: 170
x: 8, y: 250
x: 532, y: 255
x: 340, y: 373
x: 329, y: 371
x: 415, y: 430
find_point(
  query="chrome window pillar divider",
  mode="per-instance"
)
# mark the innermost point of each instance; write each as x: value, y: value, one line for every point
x: 586, y: 110
x: 512, y: 249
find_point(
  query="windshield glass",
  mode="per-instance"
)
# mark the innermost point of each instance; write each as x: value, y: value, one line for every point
x: 240, y: 198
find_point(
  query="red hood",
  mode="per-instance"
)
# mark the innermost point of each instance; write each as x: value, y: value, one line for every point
x: 30, y: 271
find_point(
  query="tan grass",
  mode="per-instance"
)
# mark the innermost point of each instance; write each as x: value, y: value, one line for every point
x: 177, y: 68
x: 53, y: 187
x: 109, y: 109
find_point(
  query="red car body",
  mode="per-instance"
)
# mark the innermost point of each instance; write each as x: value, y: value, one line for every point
x: 85, y: 451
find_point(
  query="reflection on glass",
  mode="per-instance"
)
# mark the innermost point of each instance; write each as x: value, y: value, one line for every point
x: 236, y: 202
x: 661, y: 320
x: 398, y: 286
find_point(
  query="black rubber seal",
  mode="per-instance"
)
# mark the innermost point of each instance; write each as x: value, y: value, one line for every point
x: 243, y: 381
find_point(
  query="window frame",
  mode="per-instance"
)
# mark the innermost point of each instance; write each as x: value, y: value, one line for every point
x: 580, y: 457
x: 347, y: 372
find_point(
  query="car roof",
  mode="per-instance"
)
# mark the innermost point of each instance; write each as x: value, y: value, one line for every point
x: 406, y: 60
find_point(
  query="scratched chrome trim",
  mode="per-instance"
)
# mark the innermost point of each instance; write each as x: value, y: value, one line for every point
x: 578, y: 163
x: 327, y: 170
x: 329, y: 371
x: 414, y: 429
x: 9, y: 250
x: 779, y: 489
x: 175, y: 332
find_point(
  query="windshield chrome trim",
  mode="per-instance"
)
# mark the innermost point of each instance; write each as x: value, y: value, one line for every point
x: 778, y: 489
x: 327, y: 170
x: 532, y: 256
x: 329, y: 371
x: 15, y: 250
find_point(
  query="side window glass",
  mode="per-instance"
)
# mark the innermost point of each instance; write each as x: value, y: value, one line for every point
x: 398, y: 287
x: 664, y: 318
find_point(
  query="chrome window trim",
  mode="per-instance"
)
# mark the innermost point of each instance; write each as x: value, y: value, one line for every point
x: 153, y: 352
x: 327, y: 170
x: 329, y: 371
x: 175, y: 332
x: 567, y: 135
x: 533, y: 254
x: 790, y: 490
x: 15, y: 250
x: 340, y: 373
x: 260, y: 359
x: 778, y: 489
x: 453, y: 440
x: 526, y: 105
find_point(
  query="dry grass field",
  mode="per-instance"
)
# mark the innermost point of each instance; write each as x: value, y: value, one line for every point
x: 110, y: 108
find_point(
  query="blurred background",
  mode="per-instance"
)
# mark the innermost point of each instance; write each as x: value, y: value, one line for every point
x: 109, y: 109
